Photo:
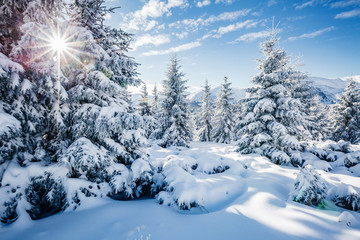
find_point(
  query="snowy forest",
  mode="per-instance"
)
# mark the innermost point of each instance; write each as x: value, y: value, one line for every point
x: 80, y: 158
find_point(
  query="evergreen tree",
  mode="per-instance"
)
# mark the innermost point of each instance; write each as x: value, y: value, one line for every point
x: 145, y: 111
x: 11, y: 18
x: 102, y: 115
x: 10, y: 127
x: 319, y: 118
x: 174, y: 124
x: 272, y: 117
x: 206, y: 115
x: 144, y: 107
x: 117, y: 66
x: 309, y: 187
x: 43, y: 102
x: 346, y: 125
x: 155, y: 101
x: 223, y: 129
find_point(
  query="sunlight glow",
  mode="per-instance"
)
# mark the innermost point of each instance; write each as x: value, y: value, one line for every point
x: 58, y: 44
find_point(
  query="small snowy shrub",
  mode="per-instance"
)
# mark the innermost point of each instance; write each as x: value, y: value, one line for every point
x: 46, y: 195
x: 346, y: 196
x: 130, y: 183
x: 83, y: 158
x: 181, y: 189
x: 309, y: 187
x: 10, y: 215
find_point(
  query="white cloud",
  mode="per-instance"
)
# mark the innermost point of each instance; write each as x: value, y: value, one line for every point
x: 248, y: 37
x: 342, y: 4
x: 225, y: 1
x: 180, y: 48
x: 234, y: 27
x: 305, y: 4
x: 182, y: 35
x: 203, y: 3
x: 271, y: 3
x: 312, y: 34
x: 348, y: 14
x: 194, y: 24
x: 139, y: 20
x: 148, y: 39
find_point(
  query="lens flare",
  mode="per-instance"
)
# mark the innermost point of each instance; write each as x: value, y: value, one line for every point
x: 58, y: 44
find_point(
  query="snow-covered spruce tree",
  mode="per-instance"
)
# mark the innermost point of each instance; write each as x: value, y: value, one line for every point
x: 155, y: 101
x: 346, y: 124
x: 145, y: 111
x: 174, y: 124
x: 10, y: 127
x: 43, y: 98
x: 144, y: 107
x: 272, y: 117
x: 206, y: 115
x: 11, y: 18
x: 118, y: 67
x: 309, y: 187
x: 223, y: 128
x: 106, y: 134
x: 319, y: 118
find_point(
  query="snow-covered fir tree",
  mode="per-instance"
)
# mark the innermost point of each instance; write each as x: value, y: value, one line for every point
x: 11, y: 18
x: 10, y: 130
x: 103, y: 122
x: 80, y: 116
x: 144, y: 107
x: 309, y: 187
x: 319, y: 118
x: 146, y: 111
x: 223, y: 127
x: 155, y: 100
x: 174, y: 123
x: 273, y: 119
x: 44, y: 106
x: 206, y: 115
x: 346, y: 124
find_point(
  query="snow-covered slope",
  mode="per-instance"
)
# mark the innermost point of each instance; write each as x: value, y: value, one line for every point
x: 250, y: 203
x: 327, y: 89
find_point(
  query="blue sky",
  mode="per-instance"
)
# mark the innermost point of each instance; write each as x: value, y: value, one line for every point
x: 214, y: 38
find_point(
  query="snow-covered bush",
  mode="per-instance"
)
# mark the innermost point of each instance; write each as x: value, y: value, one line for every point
x: 130, y: 183
x: 10, y: 214
x: 83, y: 158
x: 337, y: 154
x: 309, y: 187
x: 180, y: 189
x: 189, y: 181
x: 46, y: 195
x: 346, y: 196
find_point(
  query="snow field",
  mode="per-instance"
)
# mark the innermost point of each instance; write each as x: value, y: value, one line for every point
x: 248, y: 200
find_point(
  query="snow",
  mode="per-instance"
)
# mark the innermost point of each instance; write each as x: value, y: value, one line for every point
x: 248, y: 199
x: 8, y: 124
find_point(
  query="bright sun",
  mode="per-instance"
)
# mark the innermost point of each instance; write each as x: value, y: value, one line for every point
x: 58, y: 44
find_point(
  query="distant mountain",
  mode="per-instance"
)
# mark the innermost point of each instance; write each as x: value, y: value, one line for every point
x: 327, y: 89
x: 196, y: 97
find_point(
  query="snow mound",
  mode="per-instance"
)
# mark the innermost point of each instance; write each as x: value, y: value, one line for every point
x: 198, y: 177
x: 348, y: 219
